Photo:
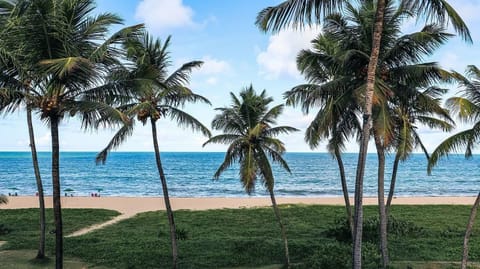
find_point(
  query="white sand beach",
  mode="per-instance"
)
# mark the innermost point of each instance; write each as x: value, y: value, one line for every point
x: 133, y: 205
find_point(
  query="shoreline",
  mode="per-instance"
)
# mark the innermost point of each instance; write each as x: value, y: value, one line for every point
x: 134, y: 205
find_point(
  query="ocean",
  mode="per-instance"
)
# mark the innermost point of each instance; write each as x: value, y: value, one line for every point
x: 190, y: 174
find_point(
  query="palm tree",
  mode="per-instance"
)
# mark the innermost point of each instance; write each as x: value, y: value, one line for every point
x: 467, y: 107
x: 156, y: 95
x: 13, y: 78
x: 247, y: 126
x: 15, y: 84
x: 68, y: 52
x: 341, y: 75
x: 299, y: 13
x: 412, y: 108
x: 336, y: 119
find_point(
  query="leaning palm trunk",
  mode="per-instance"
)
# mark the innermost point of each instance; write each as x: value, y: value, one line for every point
x: 343, y: 179
x: 468, y: 231
x: 57, y: 208
x: 171, y: 220
x: 381, y: 202
x: 282, y: 228
x: 367, y: 114
x: 36, y: 169
x: 392, y: 183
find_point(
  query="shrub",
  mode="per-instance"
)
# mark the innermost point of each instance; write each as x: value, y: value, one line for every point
x: 4, y: 230
x: 341, y: 230
x: 330, y: 256
x: 336, y: 255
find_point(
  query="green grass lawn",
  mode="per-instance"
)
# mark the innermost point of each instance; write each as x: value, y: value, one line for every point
x: 422, y: 237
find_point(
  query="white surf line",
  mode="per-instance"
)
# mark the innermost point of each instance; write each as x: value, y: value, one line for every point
x: 99, y: 226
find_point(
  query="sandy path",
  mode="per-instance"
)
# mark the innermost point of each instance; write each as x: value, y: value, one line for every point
x: 100, y: 225
x: 130, y: 206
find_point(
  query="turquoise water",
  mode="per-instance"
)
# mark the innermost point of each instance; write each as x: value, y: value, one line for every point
x: 190, y: 174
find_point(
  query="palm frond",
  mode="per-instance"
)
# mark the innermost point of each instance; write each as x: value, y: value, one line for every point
x: 439, y: 11
x: 465, y: 109
x: 222, y: 139
x: 181, y: 76
x: 276, y: 156
x: 278, y: 130
x: 248, y: 169
x: 233, y: 155
x: 186, y: 120
x: 119, y: 137
x: 465, y: 139
x: 265, y: 169
x: 295, y: 14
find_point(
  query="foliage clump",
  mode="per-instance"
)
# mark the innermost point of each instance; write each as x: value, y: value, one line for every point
x: 396, y: 227
x: 336, y: 255
x: 4, y: 230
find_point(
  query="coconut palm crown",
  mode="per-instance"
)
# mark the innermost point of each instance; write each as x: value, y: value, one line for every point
x: 248, y: 130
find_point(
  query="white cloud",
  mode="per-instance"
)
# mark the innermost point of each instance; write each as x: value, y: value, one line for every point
x: 212, y: 81
x: 213, y: 66
x: 210, y: 70
x: 279, y: 57
x: 159, y: 15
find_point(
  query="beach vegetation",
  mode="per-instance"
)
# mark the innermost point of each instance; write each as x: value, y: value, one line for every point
x: 250, y: 133
x: 247, y: 238
x: 467, y: 108
x: 301, y: 13
x: 154, y: 95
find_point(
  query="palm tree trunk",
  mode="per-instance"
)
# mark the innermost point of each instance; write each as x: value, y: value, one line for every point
x: 57, y: 208
x: 343, y: 179
x: 282, y: 228
x: 468, y: 231
x: 392, y: 183
x: 367, y: 113
x: 41, y: 200
x: 381, y: 201
x: 358, y: 199
x: 171, y: 220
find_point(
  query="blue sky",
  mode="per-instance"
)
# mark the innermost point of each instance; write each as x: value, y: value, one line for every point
x: 236, y: 54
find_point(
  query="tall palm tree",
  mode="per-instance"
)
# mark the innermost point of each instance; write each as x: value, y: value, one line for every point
x: 68, y: 51
x: 336, y: 119
x: 14, y: 77
x: 12, y: 84
x: 156, y: 95
x: 248, y: 130
x: 299, y: 13
x: 467, y: 108
x: 341, y: 76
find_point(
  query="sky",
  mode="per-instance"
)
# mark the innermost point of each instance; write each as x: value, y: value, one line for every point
x: 236, y: 54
